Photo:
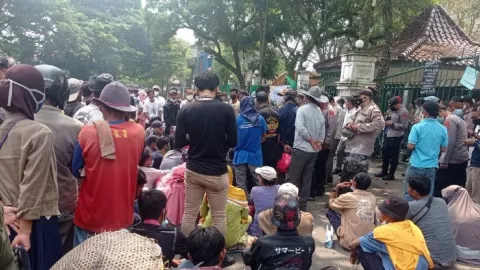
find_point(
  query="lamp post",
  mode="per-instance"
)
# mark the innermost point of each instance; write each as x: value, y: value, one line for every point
x: 230, y: 82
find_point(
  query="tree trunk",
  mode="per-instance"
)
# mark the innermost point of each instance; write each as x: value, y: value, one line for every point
x: 385, y: 57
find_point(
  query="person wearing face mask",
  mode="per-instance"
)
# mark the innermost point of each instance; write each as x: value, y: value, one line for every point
x: 356, y: 210
x: 363, y: 128
x: 343, y: 118
x: 189, y: 98
x: 473, y: 181
x: 170, y: 110
x: 396, y: 127
x: 397, y: 244
x: 467, y: 111
x: 28, y: 167
x: 426, y: 140
x: 454, y: 161
x: 66, y: 130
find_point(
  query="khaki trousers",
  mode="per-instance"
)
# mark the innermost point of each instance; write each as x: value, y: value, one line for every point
x: 216, y: 188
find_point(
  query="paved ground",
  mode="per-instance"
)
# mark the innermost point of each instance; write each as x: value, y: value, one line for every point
x: 338, y: 257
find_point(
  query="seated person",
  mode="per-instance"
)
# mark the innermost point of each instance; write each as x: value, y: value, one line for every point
x: 141, y: 181
x: 173, y: 186
x: 431, y: 216
x: 151, y: 144
x: 263, y: 196
x: 151, y: 204
x: 206, y: 250
x: 152, y: 174
x: 399, y: 244
x: 465, y: 217
x: 354, y: 214
x: 162, y: 146
x: 238, y: 218
x: 286, y: 249
x: 156, y: 128
x: 172, y: 159
x: 306, y: 225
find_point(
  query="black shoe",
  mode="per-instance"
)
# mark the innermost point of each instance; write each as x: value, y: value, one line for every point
x: 337, y: 171
x: 228, y: 261
x: 380, y: 175
x: 388, y: 178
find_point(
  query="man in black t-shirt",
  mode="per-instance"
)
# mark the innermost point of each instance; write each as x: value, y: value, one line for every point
x: 211, y: 126
x: 271, y: 152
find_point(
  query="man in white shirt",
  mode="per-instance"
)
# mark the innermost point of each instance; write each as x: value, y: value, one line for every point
x: 152, y: 106
x: 91, y: 113
x: 347, y: 113
x: 162, y: 100
x: 189, y: 96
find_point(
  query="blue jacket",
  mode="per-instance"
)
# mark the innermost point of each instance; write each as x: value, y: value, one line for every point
x: 288, y: 114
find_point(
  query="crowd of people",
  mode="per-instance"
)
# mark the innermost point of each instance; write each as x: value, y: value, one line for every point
x: 202, y: 174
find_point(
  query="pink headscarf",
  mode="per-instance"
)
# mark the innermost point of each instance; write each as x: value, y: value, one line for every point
x: 173, y: 186
x: 464, y: 215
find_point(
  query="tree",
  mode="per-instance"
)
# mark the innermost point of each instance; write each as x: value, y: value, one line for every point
x: 465, y: 13
x: 233, y: 23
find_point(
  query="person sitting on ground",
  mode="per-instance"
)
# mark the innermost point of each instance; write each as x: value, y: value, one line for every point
x: 173, y: 186
x: 238, y: 218
x: 162, y: 146
x: 306, y: 225
x: 152, y: 174
x: 151, y: 144
x: 399, y: 244
x: 156, y: 128
x: 141, y: 181
x: 431, y: 216
x: 465, y: 217
x: 172, y: 159
x: 356, y: 209
x: 263, y: 196
x: 286, y: 249
x: 152, y: 205
x: 206, y: 250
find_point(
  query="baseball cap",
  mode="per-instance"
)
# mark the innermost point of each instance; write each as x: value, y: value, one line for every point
x: 468, y: 99
x: 74, y: 86
x: 115, y: 95
x: 267, y: 173
x: 366, y: 92
x: 262, y: 97
x: 156, y: 87
x: 101, y: 81
x: 395, y: 100
x: 431, y: 107
x: 157, y: 124
x: 431, y: 98
x: 394, y: 207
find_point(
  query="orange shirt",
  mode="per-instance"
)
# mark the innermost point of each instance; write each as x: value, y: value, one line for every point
x: 106, y: 197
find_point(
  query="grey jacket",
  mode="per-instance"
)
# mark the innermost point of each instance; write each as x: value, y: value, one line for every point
x: 65, y: 130
x: 309, y: 123
x: 400, y: 123
x: 457, y: 151
x: 370, y: 123
x: 340, y: 119
x: 330, y: 116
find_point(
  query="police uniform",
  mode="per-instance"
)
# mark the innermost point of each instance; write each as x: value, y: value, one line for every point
x: 393, y: 139
x: 369, y: 123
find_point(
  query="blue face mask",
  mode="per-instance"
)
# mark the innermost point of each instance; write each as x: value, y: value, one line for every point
x: 458, y: 112
x: 441, y: 120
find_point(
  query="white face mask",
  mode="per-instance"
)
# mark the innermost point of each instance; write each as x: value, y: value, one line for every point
x: 189, y: 97
x: 38, y: 103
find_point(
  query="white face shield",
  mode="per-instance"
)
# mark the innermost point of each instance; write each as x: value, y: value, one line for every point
x: 38, y: 103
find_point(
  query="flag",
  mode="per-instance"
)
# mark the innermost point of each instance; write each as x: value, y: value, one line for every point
x: 291, y: 82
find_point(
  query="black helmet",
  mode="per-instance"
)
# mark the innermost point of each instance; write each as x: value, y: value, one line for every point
x: 101, y: 81
x: 56, y: 85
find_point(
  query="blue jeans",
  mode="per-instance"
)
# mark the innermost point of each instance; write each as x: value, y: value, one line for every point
x: 422, y: 172
x: 81, y: 235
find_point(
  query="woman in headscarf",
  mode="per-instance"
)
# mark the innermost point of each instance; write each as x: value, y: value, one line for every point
x: 238, y: 219
x: 152, y: 174
x: 141, y: 115
x: 251, y: 129
x: 28, y: 167
x: 465, y: 217
x: 173, y: 186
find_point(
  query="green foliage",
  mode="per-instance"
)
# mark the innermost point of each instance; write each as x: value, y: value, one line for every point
x: 86, y: 37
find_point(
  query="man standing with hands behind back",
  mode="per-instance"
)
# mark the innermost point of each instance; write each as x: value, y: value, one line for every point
x: 309, y: 136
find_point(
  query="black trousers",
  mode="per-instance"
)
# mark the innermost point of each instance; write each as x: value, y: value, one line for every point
x: 455, y: 174
x: 390, y: 153
x: 320, y: 174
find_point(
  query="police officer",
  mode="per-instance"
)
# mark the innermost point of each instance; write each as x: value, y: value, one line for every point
x: 65, y: 129
x: 396, y: 125
x: 362, y: 130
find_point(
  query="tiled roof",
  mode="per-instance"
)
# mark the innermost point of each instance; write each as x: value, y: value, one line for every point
x: 430, y: 36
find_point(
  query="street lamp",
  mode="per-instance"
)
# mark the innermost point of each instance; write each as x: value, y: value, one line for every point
x: 359, y: 44
x: 305, y: 65
x: 256, y: 72
x: 231, y: 77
